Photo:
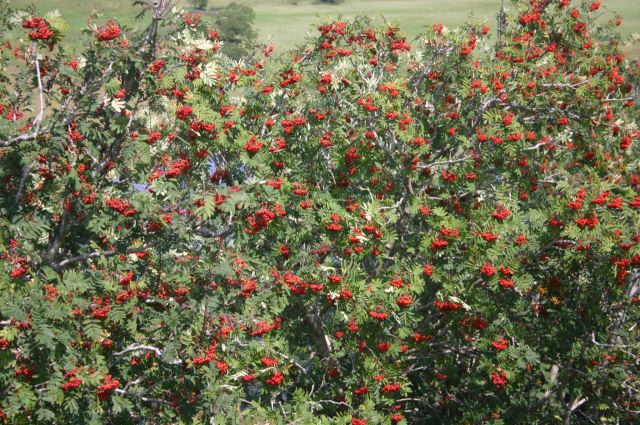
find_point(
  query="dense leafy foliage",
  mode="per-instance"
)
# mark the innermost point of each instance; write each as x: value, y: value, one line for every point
x: 365, y: 230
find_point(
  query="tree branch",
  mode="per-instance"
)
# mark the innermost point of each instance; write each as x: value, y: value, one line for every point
x: 23, y: 178
x: 450, y: 161
x: 59, y: 265
x: 139, y: 347
x: 125, y: 393
x: 38, y: 119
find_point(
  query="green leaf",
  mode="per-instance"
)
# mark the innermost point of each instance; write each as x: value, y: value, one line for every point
x: 45, y: 414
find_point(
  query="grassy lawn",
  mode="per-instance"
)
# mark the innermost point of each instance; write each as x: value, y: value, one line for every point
x: 76, y: 12
x: 285, y: 22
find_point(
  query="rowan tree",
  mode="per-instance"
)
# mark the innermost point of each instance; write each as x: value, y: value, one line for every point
x: 364, y: 230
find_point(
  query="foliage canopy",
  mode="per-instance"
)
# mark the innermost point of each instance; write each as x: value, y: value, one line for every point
x: 364, y: 230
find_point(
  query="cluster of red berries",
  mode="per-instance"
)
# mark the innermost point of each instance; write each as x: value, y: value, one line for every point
x: 289, y: 125
x: 183, y: 112
x: 500, y: 344
x: 290, y: 77
x: 247, y: 287
x: 73, y: 382
x: 109, y: 384
x: 390, y: 388
x: 275, y: 379
x: 177, y: 167
x: 253, y: 145
x: 41, y: 30
x: 156, y: 66
x: 262, y: 218
x: 499, y: 379
x: 263, y: 327
x: 209, y: 356
x: 109, y: 32
x: 501, y: 213
x: 590, y: 222
x: 404, y: 301
x: 18, y: 272
x: 446, y: 305
x: 378, y: 315
x: 122, y: 206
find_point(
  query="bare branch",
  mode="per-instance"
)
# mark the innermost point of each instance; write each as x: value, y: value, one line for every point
x: 160, y: 7
x: 38, y: 119
x: 40, y: 115
x: 577, y: 402
x: 536, y: 146
x: 56, y: 242
x: 565, y: 85
x: 320, y: 337
x: 553, y: 377
x: 339, y: 403
x: 141, y: 397
x: 95, y: 254
x: 23, y: 178
x: 139, y: 347
x: 450, y: 161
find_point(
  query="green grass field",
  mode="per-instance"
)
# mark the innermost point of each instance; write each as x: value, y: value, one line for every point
x: 285, y: 22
